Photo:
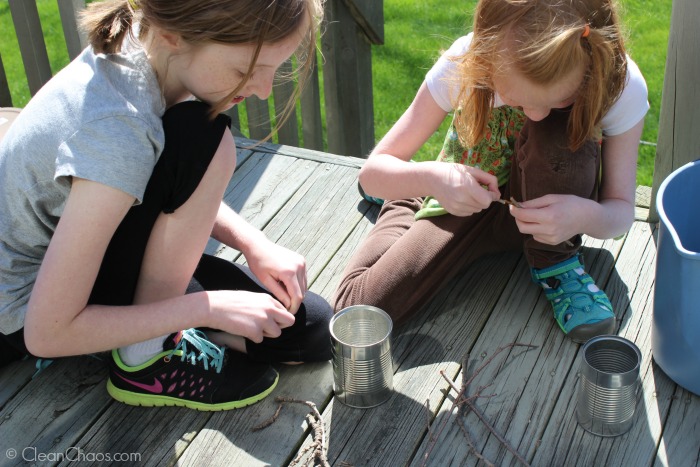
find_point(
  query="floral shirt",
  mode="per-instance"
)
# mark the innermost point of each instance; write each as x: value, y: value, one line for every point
x: 492, y: 154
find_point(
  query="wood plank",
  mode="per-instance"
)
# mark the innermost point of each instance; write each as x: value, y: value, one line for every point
x: 326, y: 283
x: 5, y: 96
x: 258, y: 118
x: 680, y: 442
x: 228, y: 438
x: 642, y: 202
x: 152, y: 436
x: 25, y: 17
x: 642, y: 196
x: 317, y: 219
x: 525, y: 384
x: 390, y: 433
x: 347, y: 81
x: 283, y: 92
x: 55, y: 408
x: 369, y: 15
x: 76, y: 39
x: 14, y: 377
x: 260, y: 188
x: 567, y: 443
x: 307, y: 154
x: 679, y: 139
x: 310, y: 102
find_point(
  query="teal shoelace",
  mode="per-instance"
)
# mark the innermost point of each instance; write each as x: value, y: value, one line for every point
x: 196, y: 348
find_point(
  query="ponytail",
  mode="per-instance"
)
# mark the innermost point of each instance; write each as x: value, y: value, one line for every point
x: 107, y: 23
x: 602, y: 85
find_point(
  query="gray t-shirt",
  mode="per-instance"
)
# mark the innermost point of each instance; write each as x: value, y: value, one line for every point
x: 99, y: 119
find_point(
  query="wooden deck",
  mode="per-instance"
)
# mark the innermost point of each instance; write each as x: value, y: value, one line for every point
x: 308, y: 202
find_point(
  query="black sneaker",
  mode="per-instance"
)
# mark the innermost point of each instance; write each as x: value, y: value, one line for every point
x: 192, y: 372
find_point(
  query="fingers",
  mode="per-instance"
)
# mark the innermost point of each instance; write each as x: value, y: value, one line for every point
x: 277, y: 319
x: 278, y: 289
x: 289, y: 289
x: 487, y: 180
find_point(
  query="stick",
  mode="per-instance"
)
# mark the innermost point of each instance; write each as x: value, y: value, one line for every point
x: 320, y: 450
x: 513, y: 202
x: 461, y: 400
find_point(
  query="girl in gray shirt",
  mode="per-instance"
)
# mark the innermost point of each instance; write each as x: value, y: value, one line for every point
x: 112, y: 179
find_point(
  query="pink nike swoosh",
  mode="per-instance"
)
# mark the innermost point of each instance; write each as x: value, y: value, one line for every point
x: 155, y: 388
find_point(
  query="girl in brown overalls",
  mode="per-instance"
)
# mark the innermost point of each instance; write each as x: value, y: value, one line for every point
x: 563, y: 66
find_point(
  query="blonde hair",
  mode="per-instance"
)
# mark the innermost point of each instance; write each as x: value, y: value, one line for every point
x: 199, y: 22
x: 543, y: 40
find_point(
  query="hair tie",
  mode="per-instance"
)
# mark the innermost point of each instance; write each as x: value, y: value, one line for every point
x: 133, y: 5
x: 586, y: 29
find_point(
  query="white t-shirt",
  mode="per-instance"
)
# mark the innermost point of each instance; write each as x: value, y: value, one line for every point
x: 626, y: 112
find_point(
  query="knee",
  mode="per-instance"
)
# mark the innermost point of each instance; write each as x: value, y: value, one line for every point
x: 318, y: 335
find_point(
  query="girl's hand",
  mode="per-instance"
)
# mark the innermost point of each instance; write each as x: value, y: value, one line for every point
x: 248, y: 314
x: 460, y: 189
x: 551, y: 219
x: 282, y: 272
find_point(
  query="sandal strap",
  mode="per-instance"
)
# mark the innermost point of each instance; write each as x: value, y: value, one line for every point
x: 574, y: 262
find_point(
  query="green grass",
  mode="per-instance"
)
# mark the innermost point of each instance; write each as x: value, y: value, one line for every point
x: 9, y: 48
x: 415, y: 33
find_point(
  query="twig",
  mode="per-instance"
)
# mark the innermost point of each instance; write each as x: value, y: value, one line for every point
x: 462, y: 400
x: 490, y: 359
x: 481, y: 416
x: 430, y: 430
x: 269, y: 421
x: 470, y: 442
x: 513, y: 202
x: 320, y: 450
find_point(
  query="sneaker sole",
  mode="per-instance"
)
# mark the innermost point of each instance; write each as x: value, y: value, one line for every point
x: 581, y: 334
x: 147, y: 400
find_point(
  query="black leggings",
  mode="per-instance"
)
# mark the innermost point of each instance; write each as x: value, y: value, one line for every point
x: 191, y: 140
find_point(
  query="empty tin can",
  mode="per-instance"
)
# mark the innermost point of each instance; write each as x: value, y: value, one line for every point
x: 609, y: 385
x: 362, y: 365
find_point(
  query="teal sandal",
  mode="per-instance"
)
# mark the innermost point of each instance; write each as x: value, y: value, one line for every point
x: 581, y: 309
x: 368, y: 198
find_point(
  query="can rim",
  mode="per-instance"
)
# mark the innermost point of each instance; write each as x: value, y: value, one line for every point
x: 619, y: 339
x: 352, y: 308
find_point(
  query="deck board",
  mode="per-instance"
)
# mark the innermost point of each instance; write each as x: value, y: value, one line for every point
x: 307, y: 201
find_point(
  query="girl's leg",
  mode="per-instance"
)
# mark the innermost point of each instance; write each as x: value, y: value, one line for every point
x: 178, y: 207
x: 307, y: 340
x: 12, y: 347
x: 544, y: 165
x: 403, y: 262
x: 192, y: 139
x: 153, y: 255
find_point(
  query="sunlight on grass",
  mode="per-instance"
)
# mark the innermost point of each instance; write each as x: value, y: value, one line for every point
x: 9, y: 48
x: 415, y: 33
